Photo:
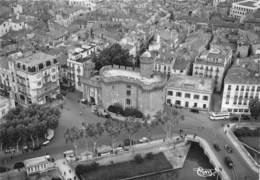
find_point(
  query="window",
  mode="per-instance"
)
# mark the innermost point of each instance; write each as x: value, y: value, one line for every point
x: 235, y: 110
x: 53, y: 70
x: 128, y: 93
x: 204, y: 106
x: 128, y: 101
x: 18, y: 65
x: 229, y: 87
x: 168, y: 101
x: 32, y: 69
x: 48, y: 63
x: 40, y: 66
x: 128, y: 86
x: 24, y: 67
x: 253, y: 88
x: 246, y: 110
x: 247, y: 88
x: 178, y: 94
x: 53, y: 77
x: 196, y: 96
x: 169, y: 93
x: 55, y: 61
x: 258, y: 88
x: 187, y: 95
x: 242, y: 88
x: 195, y: 105
x: 205, y: 98
x: 39, y: 83
x: 237, y: 88
x: 240, y: 110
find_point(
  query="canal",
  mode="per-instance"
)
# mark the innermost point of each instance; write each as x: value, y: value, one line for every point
x: 196, y: 158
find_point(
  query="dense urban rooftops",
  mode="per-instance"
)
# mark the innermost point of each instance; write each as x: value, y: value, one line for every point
x: 247, y: 71
x: 251, y: 3
x: 191, y: 83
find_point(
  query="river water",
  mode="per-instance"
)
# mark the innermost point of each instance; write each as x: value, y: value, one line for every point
x: 196, y: 158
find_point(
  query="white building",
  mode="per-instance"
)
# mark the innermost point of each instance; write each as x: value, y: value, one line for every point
x: 14, y: 24
x: 77, y: 57
x: 90, y: 4
x: 38, y: 165
x: 213, y: 64
x: 189, y: 91
x: 242, y: 8
x: 34, y: 78
x: 242, y: 83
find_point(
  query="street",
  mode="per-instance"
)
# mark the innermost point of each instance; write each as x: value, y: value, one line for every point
x: 73, y: 114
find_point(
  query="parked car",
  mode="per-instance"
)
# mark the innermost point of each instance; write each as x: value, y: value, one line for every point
x: 84, y: 101
x: 102, y: 112
x: 45, y: 143
x: 143, y: 140
x: 245, y: 117
x: 228, y: 148
x: 194, y: 110
x: 228, y: 162
x: 235, y: 118
x: 216, y: 147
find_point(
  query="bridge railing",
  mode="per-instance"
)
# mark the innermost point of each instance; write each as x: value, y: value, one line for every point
x: 211, y: 155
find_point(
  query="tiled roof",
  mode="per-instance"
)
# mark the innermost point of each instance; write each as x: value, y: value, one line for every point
x: 181, y: 64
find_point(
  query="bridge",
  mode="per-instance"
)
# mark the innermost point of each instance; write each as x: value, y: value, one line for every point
x: 208, y: 150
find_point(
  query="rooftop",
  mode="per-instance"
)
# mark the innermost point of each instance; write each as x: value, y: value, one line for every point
x: 35, y: 161
x: 251, y: 3
x: 181, y: 64
x: 35, y: 58
x: 131, y: 74
x: 190, y: 83
x: 247, y: 71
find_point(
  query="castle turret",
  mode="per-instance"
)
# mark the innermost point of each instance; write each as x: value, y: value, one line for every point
x: 146, y: 64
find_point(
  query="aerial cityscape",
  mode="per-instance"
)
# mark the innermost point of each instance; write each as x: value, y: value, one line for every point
x: 129, y: 89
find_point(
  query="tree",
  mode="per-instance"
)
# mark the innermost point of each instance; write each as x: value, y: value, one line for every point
x: 169, y: 118
x: 73, y: 135
x: 113, y: 128
x: 131, y: 127
x: 92, y: 132
x: 254, y: 106
x: 114, y: 54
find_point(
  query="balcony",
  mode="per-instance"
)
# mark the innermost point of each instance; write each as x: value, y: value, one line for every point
x: 47, y: 87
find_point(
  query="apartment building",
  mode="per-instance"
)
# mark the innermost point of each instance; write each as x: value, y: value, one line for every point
x: 77, y: 57
x: 189, y: 91
x: 242, y: 8
x: 212, y: 64
x: 241, y: 84
x: 34, y: 78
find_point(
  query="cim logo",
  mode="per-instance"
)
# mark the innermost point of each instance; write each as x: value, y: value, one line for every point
x: 205, y: 172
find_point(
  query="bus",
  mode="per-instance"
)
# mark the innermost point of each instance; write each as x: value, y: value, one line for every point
x: 219, y: 116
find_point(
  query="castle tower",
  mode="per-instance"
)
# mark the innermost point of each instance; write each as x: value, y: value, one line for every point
x: 146, y: 64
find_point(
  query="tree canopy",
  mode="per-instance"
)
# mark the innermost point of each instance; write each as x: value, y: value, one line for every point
x: 23, y: 124
x: 114, y: 54
x: 254, y: 106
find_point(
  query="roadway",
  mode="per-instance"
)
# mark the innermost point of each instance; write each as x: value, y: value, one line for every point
x: 211, y: 131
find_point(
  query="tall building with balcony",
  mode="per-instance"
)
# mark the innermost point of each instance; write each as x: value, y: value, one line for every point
x: 242, y: 8
x: 34, y: 78
x: 213, y: 64
x: 135, y: 88
x: 77, y: 58
x: 189, y: 91
x: 241, y: 84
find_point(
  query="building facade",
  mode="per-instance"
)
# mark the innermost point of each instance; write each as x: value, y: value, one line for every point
x: 77, y: 58
x: 38, y: 165
x: 34, y: 78
x: 242, y: 83
x: 242, y: 8
x: 213, y: 64
x: 133, y: 88
x: 189, y: 92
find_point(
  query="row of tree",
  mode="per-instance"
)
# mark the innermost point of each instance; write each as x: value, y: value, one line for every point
x: 24, y: 125
x: 254, y: 106
x: 169, y: 118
